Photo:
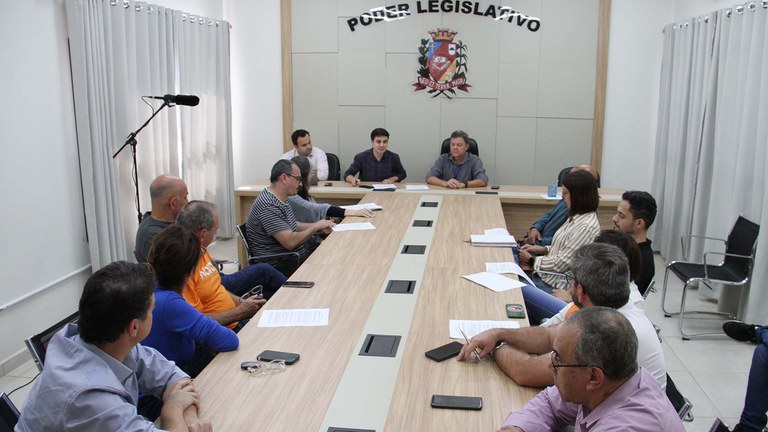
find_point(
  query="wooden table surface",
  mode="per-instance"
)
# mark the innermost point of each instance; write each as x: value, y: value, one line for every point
x: 350, y: 270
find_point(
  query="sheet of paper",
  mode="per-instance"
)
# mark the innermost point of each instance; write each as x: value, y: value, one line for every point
x: 494, y: 281
x: 497, y: 231
x: 507, y: 267
x: 416, y: 187
x: 369, y: 206
x: 484, y: 240
x: 549, y: 198
x: 384, y: 186
x: 360, y: 226
x: 474, y: 327
x: 294, y: 318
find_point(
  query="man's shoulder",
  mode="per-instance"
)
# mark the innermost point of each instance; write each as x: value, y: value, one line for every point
x: 318, y: 152
x: 287, y: 155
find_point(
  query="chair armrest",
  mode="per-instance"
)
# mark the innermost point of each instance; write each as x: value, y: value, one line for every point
x: 686, y: 248
x: 220, y: 264
x: 724, y: 254
x: 255, y: 259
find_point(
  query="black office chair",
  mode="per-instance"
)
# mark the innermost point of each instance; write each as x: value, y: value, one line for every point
x: 242, y: 230
x: 445, y: 147
x: 734, y: 270
x: 334, y: 167
x: 38, y: 344
x: 651, y: 288
x: 9, y: 414
x: 564, y: 172
x: 682, y: 405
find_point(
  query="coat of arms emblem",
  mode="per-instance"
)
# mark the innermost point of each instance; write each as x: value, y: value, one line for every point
x: 443, y: 64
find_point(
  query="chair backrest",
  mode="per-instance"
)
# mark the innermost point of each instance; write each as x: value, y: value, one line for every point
x: 564, y: 172
x: 741, y: 241
x: 334, y: 167
x: 681, y: 404
x: 241, y: 231
x: 445, y: 147
x: 9, y: 414
x: 38, y: 343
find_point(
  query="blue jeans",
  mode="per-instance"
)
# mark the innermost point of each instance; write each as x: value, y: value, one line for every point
x: 241, y: 282
x: 539, y: 304
x: 753, y: 417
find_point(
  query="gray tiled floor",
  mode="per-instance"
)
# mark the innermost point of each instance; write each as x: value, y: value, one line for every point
x: 711, y: 373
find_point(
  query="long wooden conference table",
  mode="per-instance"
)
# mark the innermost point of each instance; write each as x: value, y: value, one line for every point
x: 521, y: 205
x: 336, y: 383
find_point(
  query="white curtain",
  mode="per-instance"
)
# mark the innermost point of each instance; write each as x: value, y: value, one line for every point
x: 121, y: 51
x: 732, y: 155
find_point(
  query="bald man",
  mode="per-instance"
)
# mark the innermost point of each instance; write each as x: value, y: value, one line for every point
x: 168, y: 194
x: 543, y: 230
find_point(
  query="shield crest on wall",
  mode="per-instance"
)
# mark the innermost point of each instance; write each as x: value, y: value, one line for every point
x: 443, y: 64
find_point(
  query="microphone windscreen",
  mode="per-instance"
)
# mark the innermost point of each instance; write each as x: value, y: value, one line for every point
x: 189, y: 100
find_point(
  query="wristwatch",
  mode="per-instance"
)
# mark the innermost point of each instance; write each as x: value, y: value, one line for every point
x: 498, y: 345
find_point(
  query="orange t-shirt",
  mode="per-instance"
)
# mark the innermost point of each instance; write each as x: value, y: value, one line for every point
x: 204, y: 290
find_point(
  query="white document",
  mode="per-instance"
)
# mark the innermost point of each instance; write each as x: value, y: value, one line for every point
x: 496, y: 232
x: 473, y: 328
x: 294, y: 318
x: 484, y: 240
x: 549, y: 198
x: 360, y: 226
x: 507, y: 267
x: 369, y: 206
x: 494, y: 281
x: 384, y: 186
x: 416, y: 187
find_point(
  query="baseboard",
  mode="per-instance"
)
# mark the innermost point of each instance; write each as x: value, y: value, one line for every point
x: 14, y: 361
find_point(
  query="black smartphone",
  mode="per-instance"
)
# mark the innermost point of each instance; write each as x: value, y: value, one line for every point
x: 457, y: 402
x: 366, y: 186
x: 515, y: 310
x: 328, y: 184
x: 444, y: 352
x: 255, y: 292
x: 495, y: 187
x: 268, y: 355
x: 299, y: 284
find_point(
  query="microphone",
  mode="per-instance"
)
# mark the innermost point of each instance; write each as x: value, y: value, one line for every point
x: 189, y: 100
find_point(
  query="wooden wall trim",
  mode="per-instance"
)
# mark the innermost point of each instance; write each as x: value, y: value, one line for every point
x: 601, y: 78
x: 287, y: 63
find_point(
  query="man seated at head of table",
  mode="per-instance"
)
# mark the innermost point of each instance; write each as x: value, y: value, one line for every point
x: 600, y: 278
x: 302, y: 146
x: 634, y: 215
x: 543, y: 230
x: 599, y: 386
x: 95, y: 369
x: 272, y: 228
x: 376, y: 164
x: 179, y: 331
x: 218, y: 296
x: 169, y: 195
x: 459, y: 168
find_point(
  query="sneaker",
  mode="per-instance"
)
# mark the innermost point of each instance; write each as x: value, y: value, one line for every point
x: 740, y: 331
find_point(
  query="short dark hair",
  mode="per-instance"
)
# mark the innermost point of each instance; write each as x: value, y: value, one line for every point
x: 583, y: 189
x: 607, y: 341
x: 628, y: 245
x: 112, y: 297
x: 305, y: 167
x: 197, y: 215
x: 641, y: 205
x: 603, y: 272
x: 173, y: 255
x: 279, y: 168
x: 379, y: 132
x: 298, y: 133
x: 460, y: 134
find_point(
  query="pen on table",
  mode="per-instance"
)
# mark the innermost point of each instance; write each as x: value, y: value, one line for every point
x: 477, y: 354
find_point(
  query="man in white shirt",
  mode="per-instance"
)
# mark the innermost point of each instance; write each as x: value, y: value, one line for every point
x: 302, y: 146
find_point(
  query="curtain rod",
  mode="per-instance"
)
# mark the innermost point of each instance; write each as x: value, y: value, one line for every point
x: 750, y: 5
x: 192, y: 18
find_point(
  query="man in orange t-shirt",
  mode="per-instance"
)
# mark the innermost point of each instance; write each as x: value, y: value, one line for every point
x: 207, y: 290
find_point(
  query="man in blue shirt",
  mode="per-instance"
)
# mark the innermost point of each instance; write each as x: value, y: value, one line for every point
x: 543, y: 230
x: 95, y: 369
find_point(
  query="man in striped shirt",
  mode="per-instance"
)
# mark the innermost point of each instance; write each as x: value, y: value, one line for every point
x: 272, y: 227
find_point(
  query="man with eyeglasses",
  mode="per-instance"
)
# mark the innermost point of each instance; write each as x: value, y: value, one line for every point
x: 598, y: 384
x: 600, y: 278
x: 272, y: 227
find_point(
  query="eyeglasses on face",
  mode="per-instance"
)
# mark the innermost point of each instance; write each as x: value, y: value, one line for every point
x: 297, y: 178
x: 557, y: 364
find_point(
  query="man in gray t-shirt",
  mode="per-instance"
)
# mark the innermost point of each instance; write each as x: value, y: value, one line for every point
x: 458, y: 169
x: 169, y: 194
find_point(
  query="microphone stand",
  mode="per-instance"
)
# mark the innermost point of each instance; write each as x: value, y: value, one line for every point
x: 131, y: 141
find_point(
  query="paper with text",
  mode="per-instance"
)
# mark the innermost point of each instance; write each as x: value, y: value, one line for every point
x: 507, y: 267
x: 474, y: 327
x: 494, y: 281
x: 294, y: 318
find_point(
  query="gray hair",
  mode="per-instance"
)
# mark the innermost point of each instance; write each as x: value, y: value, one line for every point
x: 197, y: 215
x: 607, y: 341
x: 279, y: 168
x: 603, y: 272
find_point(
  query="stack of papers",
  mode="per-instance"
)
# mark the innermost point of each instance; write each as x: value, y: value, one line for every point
x: 382, y: 186
x: 369, y: 206
x: 361, y: 226
x: 494, y: 237
x: 416, y: 187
